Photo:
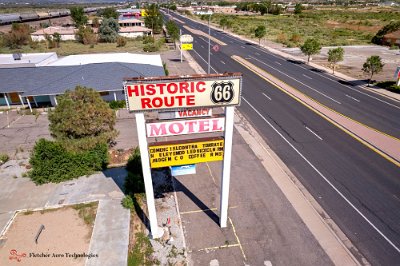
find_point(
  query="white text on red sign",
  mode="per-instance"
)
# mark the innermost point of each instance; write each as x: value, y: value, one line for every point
x: 182, y: 127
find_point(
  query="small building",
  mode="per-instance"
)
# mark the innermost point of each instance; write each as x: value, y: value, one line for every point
x: 67, y: 33
x: 130, y: 22
x: 27, y: 60
x: 39, y: 86
x: 134, y: 31
x: 392, y: 38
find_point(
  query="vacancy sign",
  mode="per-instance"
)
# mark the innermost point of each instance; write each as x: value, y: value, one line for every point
x: 186, y: 153
x: 184, y: 127
x: 160, y: 93
x: 185, y: 113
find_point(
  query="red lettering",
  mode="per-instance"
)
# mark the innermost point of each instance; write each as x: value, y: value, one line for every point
x: 180, y: 99
x: 157, y: 102
x: 172, y: 88
x: 150, y: 89
x: 178, y: 130
x: 161, y: 86
x: 215, y: 126
x: 157, y: 131
x: 198, y: 86
x: 190, y: 100
x: 191, y: 125
x: 145, y: 103
x: 184, y: 87
x: 204, y: 125
x: 134, y: 90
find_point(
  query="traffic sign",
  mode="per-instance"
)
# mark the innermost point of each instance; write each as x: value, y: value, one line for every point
x: 186, y: 38
x: 187, y: 46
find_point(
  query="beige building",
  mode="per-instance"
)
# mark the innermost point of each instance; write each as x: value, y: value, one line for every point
x: 134, y: 31
x: 67, y: 33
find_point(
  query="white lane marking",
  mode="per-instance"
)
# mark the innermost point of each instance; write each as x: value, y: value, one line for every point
x: 315, y: 134
x: 204, y: 60
x: 307, y: 76
x: 357, y: 100
x: 195, y: 41
x: 242, y: 46
x: 265, y: 95
x: 247, y: 58
x: 257, y: 53
x: 211, y: 53
x: 202, y: 46
x: 323, y: 94
x: 278, y: 63
x: 222, y: 62
x: 361, y: 92
x: 326, y: 179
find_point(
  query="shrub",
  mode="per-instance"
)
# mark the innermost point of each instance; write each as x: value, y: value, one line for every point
x: 3, y: 158
x: 134, y: 182
x: 117, y: 104
x: 121, y: 41
x: 51, y: 162
x: 18, y: 36
x: 151, y: 47
x: 165, y: 68
x: 148, y: 39
x: 127, y: 202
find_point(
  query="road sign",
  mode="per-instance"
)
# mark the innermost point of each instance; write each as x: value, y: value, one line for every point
x: 397, y: 73
x: 185, y: 127
x: 159, y: 93
x: 185, y: 113
x: 215, y: 48
x: 186, y: 153
x: 186, y: 38
x: 187, y: 46
x: 183, y: 170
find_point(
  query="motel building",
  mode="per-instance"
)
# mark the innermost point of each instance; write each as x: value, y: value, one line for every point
x: 35, y: 80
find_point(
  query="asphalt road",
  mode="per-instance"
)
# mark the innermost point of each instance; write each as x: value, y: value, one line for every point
x: 359, y: 189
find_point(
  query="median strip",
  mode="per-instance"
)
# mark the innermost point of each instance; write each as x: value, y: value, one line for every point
x: 385, y: 145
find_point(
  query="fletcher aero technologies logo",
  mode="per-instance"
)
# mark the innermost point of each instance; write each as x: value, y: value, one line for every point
x: 15, y: 256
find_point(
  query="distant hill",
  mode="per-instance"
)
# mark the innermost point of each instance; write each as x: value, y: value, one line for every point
x: 44, y: 2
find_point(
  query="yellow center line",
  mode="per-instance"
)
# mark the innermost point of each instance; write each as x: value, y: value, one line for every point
x: 237, y: 238
x: 205, y: 210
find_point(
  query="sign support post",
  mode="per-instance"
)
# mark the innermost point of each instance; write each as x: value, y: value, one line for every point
x: 180, y: 41
x: 156, y: 232
x: 226, y: 167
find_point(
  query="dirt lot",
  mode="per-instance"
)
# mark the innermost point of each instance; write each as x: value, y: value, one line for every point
x: 65, y: 233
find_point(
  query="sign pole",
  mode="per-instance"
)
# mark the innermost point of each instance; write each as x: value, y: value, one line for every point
x: 209, y: 43
x: 156, y: 232
x: 180, y: 34
x: 226, y: 168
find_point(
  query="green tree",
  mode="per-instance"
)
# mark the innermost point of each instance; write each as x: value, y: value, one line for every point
x: 96, y: 22
x: 108, y: 31
x: 78, y: 16
x: 260, y: 32
x: 372, y: 66
x: 86, y: 35
x: 310, y: 47
x: 223, y: 22
x: 18, y: 36
x: 335, y: 55
x: 154, y: 19
x: 81, y: 120
x: 109, y: 12
x: 173, y: 30
x: 57, y: 39
x: 391, y: 27
x: 298, y: 8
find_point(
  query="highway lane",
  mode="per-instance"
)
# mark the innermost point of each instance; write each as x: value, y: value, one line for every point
x: 368, y: 108
x: 359, y: 180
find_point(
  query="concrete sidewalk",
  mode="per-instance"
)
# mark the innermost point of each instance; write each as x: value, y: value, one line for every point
x: 111, y: 228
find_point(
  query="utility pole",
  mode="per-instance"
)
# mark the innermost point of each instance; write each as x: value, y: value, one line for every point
x: 180, y: 42
x: 209, y: 44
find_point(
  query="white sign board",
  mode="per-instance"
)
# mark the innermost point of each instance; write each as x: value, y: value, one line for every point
x: 185, y: 113
x: 183, y: 170
x: 184, y: 127
x: 203, y: 91
x: 186, y: 38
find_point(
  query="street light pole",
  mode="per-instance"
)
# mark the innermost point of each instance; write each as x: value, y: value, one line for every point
x: 209, y: 44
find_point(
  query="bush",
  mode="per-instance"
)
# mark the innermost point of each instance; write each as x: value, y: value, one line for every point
x: 127, y: 202
x: 121, y: 41
x: 151, y: 47
x: 51, y: 162
x: 3, y: 158
x: 117, y: 104
x: 134, y: 182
